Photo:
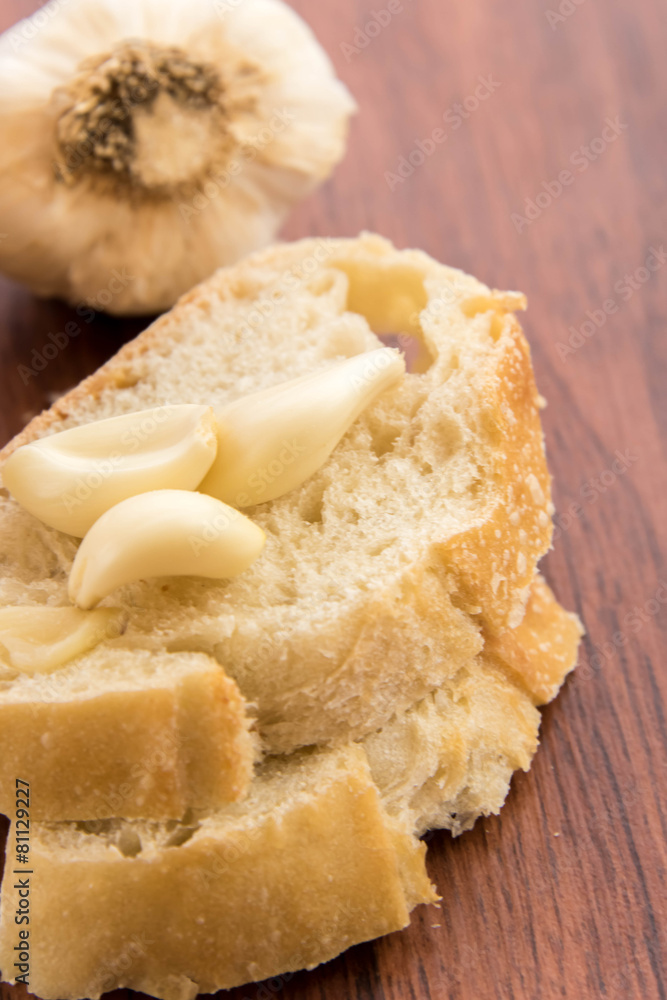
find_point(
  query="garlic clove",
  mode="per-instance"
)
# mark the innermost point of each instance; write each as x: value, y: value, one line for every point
x: 70, y: 479
x: 272, y: 441
x: 162, y: 533
x: 39, y: 640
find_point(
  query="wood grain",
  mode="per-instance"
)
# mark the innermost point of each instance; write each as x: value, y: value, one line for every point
x: 563, y: 895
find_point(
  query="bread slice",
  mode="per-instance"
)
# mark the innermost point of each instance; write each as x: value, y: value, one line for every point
x: 541, y: 650
x: 308, y: 864
x: 125, y: 733
x: 450, y: 758
x: 385, y: 572
x: 312, y: 861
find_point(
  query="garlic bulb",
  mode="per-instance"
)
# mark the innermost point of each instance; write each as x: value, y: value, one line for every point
x: 144, y: 143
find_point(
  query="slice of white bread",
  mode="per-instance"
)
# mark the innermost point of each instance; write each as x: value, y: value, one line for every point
x: 450, y: 758
x: 385, y: 571
x: 308, y: 864
x: 145, y: 734
x: 125, y: 733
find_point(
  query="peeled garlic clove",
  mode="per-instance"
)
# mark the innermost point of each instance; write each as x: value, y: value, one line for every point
x: 70, y: 479
x: 162, y: 533
x: 39, y: 640
x: 272, y: 441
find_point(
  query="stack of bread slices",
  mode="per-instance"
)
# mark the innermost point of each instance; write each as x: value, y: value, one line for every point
x: 231, y: 785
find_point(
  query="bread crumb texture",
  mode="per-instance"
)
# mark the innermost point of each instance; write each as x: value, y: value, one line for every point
x: 422, y: 530
x: 386, y: 654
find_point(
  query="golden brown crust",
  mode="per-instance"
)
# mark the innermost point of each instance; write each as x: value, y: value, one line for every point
x: 449, y: 759
x: 541, y: 651
x: 115, y: 751
x: 494, y: 562
x: 484, y: 572
x: 242, y: 899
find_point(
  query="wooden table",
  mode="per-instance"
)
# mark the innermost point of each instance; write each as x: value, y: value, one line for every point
x: 565, y: 894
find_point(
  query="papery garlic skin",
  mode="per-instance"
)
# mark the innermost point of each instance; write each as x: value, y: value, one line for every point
x: 211, y: 172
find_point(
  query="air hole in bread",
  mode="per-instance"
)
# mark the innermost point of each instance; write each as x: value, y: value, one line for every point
x: 126, y: 378
x: 116, y: 833
x: 391, y: 300
x: 377, y: 550
x: 129, y: 843
x: 246, y: 285
x: 484, y: 304
x: 497, y: 325
x: 311, y: 503
x: 383, y: 441
x: 190, y: 644
x: 441, y: 441
x: 181, y: 835
x: 479, y: 304
x: 323, y: 283
x: 417, y: 358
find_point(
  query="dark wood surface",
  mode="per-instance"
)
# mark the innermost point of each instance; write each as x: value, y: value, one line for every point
x: 565, y: 894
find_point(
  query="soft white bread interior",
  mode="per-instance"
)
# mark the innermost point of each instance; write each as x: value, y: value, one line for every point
x: 450, y: 758
x: 394, y: 620
x: 307, y: 865
x: 385, y: 571
x: 310, y: 862
x: 125, y: 733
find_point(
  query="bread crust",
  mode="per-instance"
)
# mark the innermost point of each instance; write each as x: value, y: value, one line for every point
x: 321, y: 854
x: 449, y: 759
x: 315, y: 867
x: 315, y: 688
x: 92, y: 749
x: 312, y: 862
x: 542, y: 650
